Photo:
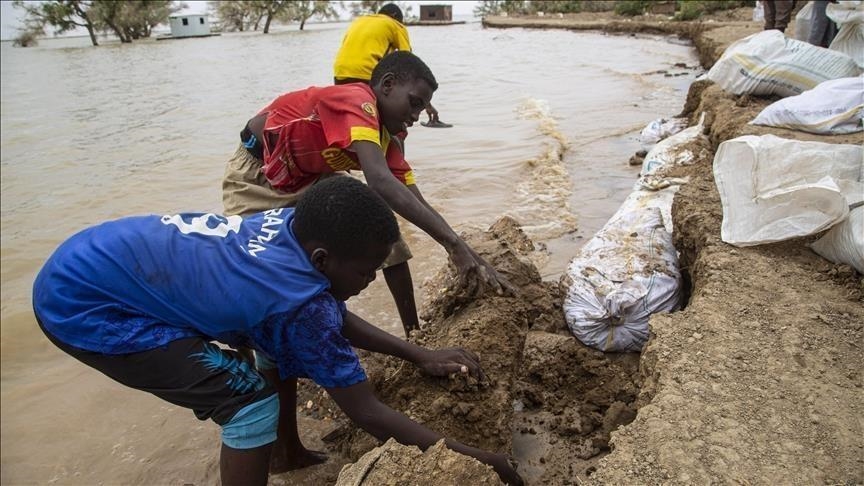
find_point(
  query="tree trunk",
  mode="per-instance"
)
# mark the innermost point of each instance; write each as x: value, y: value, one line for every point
x: 267, y: 23
x: 302, y: 23
x: 118, y: 32
x: 92, y: 34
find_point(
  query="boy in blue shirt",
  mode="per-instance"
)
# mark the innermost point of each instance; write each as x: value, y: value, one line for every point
x: 141, y: 298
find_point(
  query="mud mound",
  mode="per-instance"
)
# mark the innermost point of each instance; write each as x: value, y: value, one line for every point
x: 399, y: 465
x: 476, y: 413
x: 549, y: 399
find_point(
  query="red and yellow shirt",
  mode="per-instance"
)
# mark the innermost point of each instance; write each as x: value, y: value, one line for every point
x: 308, y: 132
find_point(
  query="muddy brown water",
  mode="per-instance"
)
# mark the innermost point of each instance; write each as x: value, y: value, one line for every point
x: 544, y: 123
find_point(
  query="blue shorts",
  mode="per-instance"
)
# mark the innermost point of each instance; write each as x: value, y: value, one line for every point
x: 193, y: 373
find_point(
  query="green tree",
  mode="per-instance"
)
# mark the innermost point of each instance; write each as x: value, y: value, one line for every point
x: 364, y: 7
x: 498, y: 7
x: 133, y: 19
x: 237, y: 15
x: 62, y: 15
x: 304, y: 10
x: 556, y: 6
x: 271, y: 10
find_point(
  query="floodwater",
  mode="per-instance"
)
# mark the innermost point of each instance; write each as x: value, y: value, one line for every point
x: 544, y: 124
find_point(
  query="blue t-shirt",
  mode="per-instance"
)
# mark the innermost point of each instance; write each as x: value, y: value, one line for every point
x: 138, y: 283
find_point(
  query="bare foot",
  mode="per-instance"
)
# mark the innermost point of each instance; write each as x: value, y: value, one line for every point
x: 282, y: 460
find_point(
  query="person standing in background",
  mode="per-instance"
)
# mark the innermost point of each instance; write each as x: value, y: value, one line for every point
x: 778, y: 13
x: 367, y: 40
x: 822, y: 29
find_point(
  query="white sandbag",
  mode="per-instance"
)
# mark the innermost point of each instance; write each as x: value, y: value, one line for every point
x: 770, y: 63
x: 844, y: 243
x: 758, y: 12
x: 803, y: 21
x: 849, y: 17
x: 625, y: 273
x: 680, y: 149
x: 773, y: 189
x: 834, y: 107
x: 660, y: 129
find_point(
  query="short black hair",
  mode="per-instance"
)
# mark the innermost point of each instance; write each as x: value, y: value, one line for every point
x: 405, y: 66
x: 391, y: 10
x: 344, y: 215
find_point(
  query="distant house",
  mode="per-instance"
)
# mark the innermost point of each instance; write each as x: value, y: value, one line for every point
x: 441, y: 13
x: 192, y: 25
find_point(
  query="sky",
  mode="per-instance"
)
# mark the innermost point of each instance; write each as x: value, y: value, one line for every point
x: 10, y: 18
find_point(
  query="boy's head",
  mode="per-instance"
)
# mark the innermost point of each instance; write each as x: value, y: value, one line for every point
x: 403, y: 85
x: 391, y: 10
x: 347, y: 231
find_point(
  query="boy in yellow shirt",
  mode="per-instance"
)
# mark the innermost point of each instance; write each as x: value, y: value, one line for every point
x: 368, y: 39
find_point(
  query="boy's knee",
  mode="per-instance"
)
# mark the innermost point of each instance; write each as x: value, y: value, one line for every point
x: 253, y: 425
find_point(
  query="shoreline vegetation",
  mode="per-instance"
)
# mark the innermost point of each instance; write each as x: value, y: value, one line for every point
x: 757, y: 379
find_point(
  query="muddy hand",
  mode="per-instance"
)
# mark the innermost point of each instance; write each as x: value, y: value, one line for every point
x: 490, y: 278
x: 467, y: 271
x: 443, y: 362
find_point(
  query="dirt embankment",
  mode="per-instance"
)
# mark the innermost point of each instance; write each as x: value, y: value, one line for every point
x: 757, y: 380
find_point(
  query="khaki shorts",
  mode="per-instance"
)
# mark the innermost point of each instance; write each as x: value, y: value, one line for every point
x: 245, y: 191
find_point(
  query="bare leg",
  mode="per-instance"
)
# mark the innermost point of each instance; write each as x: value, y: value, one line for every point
x: 398, y: 278
x: 288, y: 452
x: 246, y: 467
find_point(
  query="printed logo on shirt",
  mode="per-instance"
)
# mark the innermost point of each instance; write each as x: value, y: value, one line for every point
x: 269, y: 229
x: 338, y: 160
x: 369, y: 108
x: 207, y: 224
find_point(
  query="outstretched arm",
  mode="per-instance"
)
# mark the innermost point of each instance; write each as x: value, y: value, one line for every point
x: 409, y: 204
x: 438, y: 362
x: 363, y: 408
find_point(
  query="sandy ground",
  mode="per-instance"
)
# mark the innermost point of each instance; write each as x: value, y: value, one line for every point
x: 757, y: 380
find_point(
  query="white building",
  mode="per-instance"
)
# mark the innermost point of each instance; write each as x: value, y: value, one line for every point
x: 190, y: 25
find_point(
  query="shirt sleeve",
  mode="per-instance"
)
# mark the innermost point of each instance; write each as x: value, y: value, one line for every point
x: 309, y: 344
x: 349, y: 113
x: 401, y: 41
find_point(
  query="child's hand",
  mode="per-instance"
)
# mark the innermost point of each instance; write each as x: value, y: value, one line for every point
x: 476, y: 275
x: 443, y: 362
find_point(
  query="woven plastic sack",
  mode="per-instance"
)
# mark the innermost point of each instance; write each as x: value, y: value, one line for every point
x: 803, y: 21
x: 849, y: 17
x: 681, y: 148
x: 625, y: 273
x: 844, y: 242
x: 769, y: 63
x: 660, y: 129
x: 773, y: 189
x: 834, y: 107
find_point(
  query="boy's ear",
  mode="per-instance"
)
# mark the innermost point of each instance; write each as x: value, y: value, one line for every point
x: 319, y: 258
x: 387, y: 83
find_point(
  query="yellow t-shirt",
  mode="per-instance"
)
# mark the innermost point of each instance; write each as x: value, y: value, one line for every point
x: 368, y: 39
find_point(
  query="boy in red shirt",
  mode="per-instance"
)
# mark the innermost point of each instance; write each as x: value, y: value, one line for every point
x: 304, y: 136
